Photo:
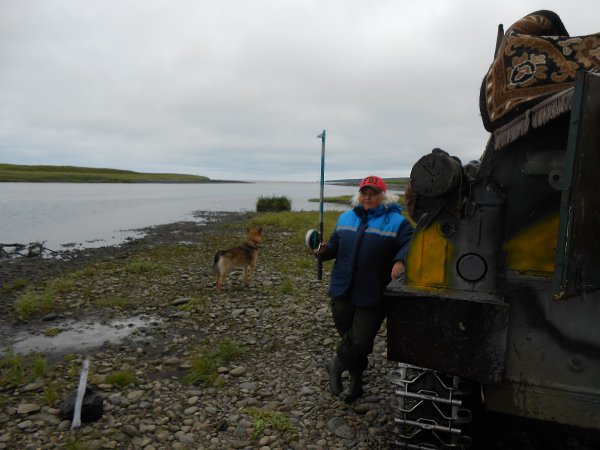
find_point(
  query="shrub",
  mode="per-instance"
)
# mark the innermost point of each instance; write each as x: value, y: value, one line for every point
x: 32, y: 303
x: 121, y: 378
x: 273, y: 204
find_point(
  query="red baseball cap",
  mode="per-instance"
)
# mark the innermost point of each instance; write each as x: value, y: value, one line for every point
x: 373, y: 182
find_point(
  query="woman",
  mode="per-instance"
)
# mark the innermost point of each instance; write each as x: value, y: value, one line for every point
x: 369, y: 246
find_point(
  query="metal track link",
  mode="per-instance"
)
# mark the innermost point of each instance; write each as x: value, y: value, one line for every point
x: 429, y: 411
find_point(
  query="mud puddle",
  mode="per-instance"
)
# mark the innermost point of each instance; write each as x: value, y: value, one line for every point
x: 70, y: 335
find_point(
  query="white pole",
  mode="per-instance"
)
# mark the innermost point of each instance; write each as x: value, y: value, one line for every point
x: 80, y: 394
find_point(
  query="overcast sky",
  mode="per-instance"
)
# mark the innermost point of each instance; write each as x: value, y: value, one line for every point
x: 240, y: 89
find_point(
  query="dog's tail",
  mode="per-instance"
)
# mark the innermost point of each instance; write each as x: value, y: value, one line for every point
x: 215, y: 265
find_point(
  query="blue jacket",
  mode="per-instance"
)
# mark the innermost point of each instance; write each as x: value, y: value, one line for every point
x: 365, y: 245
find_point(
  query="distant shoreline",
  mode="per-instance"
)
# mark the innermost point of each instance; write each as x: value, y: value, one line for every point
x: 19, y: 173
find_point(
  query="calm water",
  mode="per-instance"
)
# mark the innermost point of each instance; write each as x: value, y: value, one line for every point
x: 94, y: 215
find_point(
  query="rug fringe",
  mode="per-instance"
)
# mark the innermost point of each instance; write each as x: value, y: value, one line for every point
x: 512, y: 131
x: 535, y: 117
x: 551, y: 108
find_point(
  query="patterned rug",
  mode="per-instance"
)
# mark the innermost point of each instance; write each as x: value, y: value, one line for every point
x: 535, y: 66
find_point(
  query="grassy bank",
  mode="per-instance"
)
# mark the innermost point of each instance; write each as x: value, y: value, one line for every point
x: 347, y: 200
x: 72, y: 174
x: 128, y: 276
x: 157, y: 265
x: 392, y: 183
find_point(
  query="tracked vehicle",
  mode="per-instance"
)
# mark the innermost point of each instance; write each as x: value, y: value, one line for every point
x: 499, y: 309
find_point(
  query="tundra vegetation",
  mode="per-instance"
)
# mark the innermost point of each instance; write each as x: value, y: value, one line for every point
x: 73, y: 174
x: 273, y: 204
x: 156, y: 265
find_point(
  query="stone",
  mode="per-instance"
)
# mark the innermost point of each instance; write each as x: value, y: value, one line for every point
x: 191, y: 410
x: 130, y: 430
x: 27, y: 408
x: 345, y: 432
x: 35, y: 386
x: 25, y: 424
x: 181, y: 301
x: 238, y: 371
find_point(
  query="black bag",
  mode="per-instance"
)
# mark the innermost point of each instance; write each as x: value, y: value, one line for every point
x: 92, y: 406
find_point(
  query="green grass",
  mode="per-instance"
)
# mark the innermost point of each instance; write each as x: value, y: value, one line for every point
x: 39, y: 366
x: 347, y: 199
x: 264, y: 419
x: 14, y: 285
x: 273, y: 204
x: 399, y: 182
x: 32, y: 302
x: 12, y: 371
x: 340, y: 199
x: 50, y: 396
x: 203, y: 370
x: 51, y: 332
x: 74, y: 444
x: 47, y: 173
x: 287, y: 287
x: 119, y: 302
x: 43, y: 299
x: 207, y: 360
x: 103, y: 284
x: 298, y: 222
x: 121, y: 378
x: 60, y: 285
x: 144, y: 266
x: 396, y: 182
x: 196, y: 303
x: 228, y: 350
x: 17, y: 369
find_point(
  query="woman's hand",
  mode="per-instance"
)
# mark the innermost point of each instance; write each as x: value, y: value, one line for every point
x: 321, y: 249
x: 397, y: 269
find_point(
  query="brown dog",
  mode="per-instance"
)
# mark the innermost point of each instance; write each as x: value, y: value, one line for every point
x: 244, y: 255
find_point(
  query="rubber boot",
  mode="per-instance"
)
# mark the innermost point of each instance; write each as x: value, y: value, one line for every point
x: 335, y: 368
x: 355, y: 389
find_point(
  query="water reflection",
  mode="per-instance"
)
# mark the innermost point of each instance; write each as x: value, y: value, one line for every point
x: 77, y: 335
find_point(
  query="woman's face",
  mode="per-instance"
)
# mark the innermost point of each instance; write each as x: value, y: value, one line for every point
x: 370, y: 198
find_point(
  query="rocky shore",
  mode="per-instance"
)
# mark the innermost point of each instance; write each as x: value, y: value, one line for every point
x: 272, y: 395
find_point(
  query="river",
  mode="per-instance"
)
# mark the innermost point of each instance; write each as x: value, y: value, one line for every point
x: 86, y: 215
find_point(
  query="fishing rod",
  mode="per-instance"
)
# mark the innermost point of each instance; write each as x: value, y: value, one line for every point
x: 320, y: 258
x: 313, y: 237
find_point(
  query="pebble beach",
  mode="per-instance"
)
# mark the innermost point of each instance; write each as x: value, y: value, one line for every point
x: 272, y: 394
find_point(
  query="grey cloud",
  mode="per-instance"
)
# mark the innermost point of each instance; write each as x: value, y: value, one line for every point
x: 239, y: 89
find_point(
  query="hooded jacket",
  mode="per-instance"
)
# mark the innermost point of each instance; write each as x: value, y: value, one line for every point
x: 365, y: 245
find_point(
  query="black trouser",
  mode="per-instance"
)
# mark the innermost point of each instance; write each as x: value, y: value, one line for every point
x: 357, y: 326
